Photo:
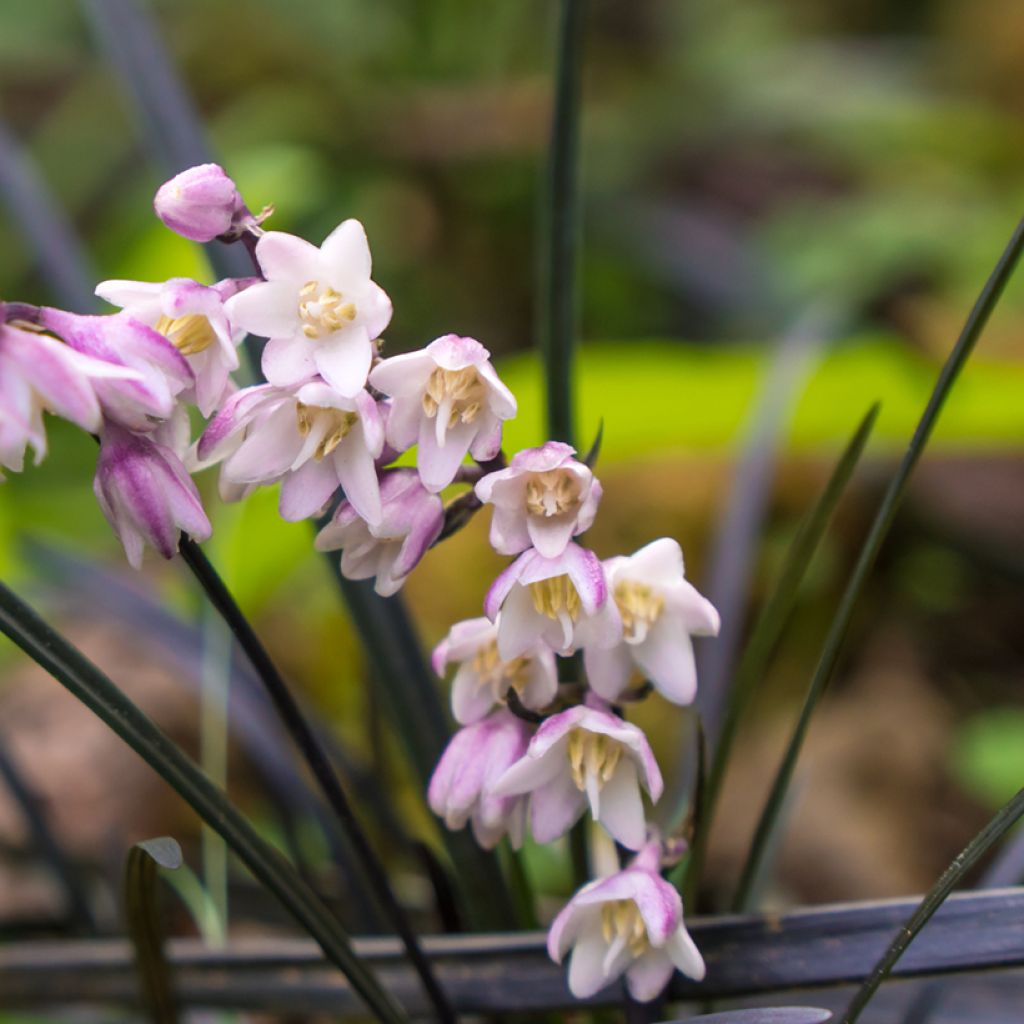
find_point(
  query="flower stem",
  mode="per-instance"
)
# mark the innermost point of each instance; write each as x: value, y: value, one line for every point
x: 318, y: 762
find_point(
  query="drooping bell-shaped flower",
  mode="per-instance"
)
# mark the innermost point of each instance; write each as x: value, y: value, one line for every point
x: 318, y: 307
x: 199, y: 203
x: 580, y: 757
x: 149, y: 395
x: 309, y: 438
x: 448, y: 400
x: 146, y: 493
x: 561, y: 601
x: 543, y: 499
x: 483, y: 679
x: 39, y: 373
x: 411, y: 521
x: 660, y: 612
x: 462, y: 786
x: 628, y: 923
x: 191, y: 317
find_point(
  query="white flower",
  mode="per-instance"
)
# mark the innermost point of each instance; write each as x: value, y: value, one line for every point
x: 561, y: 601
x: 544, y: 499
x: 582, y: 756
x: 310, y: 438
x: 191, y: 317
x: 628, y: 923
x: 483, y: 678
x: 449, y: 400
x: 318, y: 307
x: 660, y: 612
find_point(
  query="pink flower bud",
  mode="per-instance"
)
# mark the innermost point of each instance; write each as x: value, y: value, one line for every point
x: 200, y: 203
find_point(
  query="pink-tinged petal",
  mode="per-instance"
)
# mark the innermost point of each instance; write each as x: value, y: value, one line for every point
x: 371, y: 422
x: 269, y: 451
x: 684, y: 954
x: 358, y: 476
x: 622, y: 809
x: 486, y: 442
x: 531, y: 773
x: 305, y: 491
x: 666, y: 658
x: 502, y: 586
x: 659, y: 563
x: 588, y: 510
x: 288, y: 259
x: 336, y: 533
x: 403, y: 375
x: 500, y: 400
x: 200, y: 203
x: 602, y: 629
x: 647, y: 977
x: 235, y: 414
x: 463, y: 641
x: 343, y: 360
x: 555, y: 807
x: 452, y: 352
x: 425, y: 529
x: 470, y: 700
x: 586, y: 966
x: 608, y: 670
x: 587, y: 574
x: 438, y: 465
x: 345, y: 253
x: 269, y: 309
x: 570, y: 922
x: 550, y: 455
x: 403, y: 422
x: 550, y: 535
x: 509, y: 534
x: 520, y: 627
x: 374, y: 310
x: 288, y: 361
x: 128, y: 293
x: 699, y: 616
x: 542, y: 684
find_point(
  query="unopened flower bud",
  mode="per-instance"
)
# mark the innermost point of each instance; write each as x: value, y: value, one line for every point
x: 200, y: 203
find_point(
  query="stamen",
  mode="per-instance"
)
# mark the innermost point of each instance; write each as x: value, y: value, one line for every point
x: 460, y: 392
x: 334, y: 423
x: 188, y: 334
x: 621, y: 919
x: 640, y: 606
x: 500, y: 675
x: 554, y: 596
x: 551, y: 493
x: 322, y: 309
x: 592, y: 754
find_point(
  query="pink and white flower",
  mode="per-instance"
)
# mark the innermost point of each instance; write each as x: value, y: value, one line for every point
x: 562, y: 602
x: 628, y: 923
x: 660, y: 612
x: 309, y: 438
x: 449, y: 400
x: 462, y: 786
x: 484, y: 678
x: 199, y: 203
x: 543, y: 499
x: 318, y: 307
x: 191, y: 317
x: 411, y: 521
x: 586, y: 755
x: 139, y: 401
x: 146, y: 493
x: 39, y: 373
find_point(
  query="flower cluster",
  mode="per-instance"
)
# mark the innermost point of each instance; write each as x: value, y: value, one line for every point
x: 536, y: 751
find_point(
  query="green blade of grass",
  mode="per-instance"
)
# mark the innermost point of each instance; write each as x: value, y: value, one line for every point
x: 88, y: 684
x: 560, y: 225
x: 965, y: 344
x: 1000, y: 824
x: 768, y: 629
x: 145, y: 927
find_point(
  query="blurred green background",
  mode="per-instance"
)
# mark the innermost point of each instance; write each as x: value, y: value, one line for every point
x: 743, y: 161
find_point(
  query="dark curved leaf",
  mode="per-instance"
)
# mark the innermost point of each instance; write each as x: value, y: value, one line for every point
x: 769, y: 1015
x: 145, y: 928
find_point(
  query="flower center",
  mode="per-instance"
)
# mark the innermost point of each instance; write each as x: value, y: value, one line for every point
x: 188, y: 334
x: 551, y: 493
x: 322, y: 310
x: 621, y: 920
x: 333, y: 424
x: 640, y: 607
x: 592, y: 754
x: 453, y: 395
x: 555, y: 597
x: 499, y: 675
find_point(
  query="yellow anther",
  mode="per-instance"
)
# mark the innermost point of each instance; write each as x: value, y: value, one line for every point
x: 621, y: 919
x: 334, y: 423
x: 555, y: 595
x: 551, y: 493
x: 500, y: 675
x: 460, y: 392
x: 322, y: 309
x: 640, y: 607
x: 188, y: 334
x: 592, y: 754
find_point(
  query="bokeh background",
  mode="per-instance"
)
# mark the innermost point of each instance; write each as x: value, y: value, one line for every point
x: 748, y: 166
